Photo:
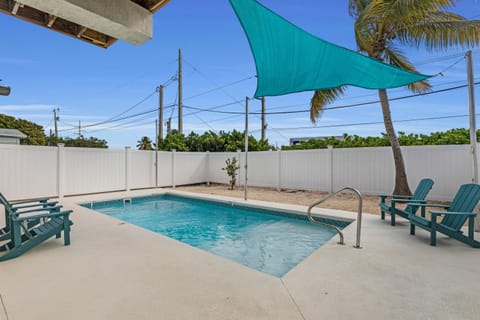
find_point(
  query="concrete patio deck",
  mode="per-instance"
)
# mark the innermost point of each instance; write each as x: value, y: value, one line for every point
x: 115, y: 270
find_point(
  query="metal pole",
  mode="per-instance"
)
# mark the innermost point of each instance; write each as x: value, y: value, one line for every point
x: 471, y: 103
x: 264, y: 125
x: 246, y: 150
x: 79, y: 129
x: 156, y: 152
x: 160, y: 113
x: 473, y: 127
x: 180, y: 111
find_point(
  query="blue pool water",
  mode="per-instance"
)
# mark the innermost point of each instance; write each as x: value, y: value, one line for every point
x: 269, y: 241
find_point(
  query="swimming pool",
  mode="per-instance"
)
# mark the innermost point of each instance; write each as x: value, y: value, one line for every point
x: 269, y: 241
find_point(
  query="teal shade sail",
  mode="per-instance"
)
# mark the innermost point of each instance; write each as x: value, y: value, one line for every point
x: 289, y: 59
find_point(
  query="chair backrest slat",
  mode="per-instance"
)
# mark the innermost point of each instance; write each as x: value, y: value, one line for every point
x: 465, y: 200
x: 424, y: 186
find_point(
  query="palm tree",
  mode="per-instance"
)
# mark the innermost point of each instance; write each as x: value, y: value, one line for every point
x: 381, y: 26
x: 144, y: 144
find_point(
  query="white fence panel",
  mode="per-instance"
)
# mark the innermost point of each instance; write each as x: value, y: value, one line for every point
x: 164, y: 170
x: 448, y: 166
x: 88, y: 170
x: 142, y: 169
x: 190, y: 167
x: 28, y: 171
x: 216, y: 161
x: 306, y: 169
x: 369, y: 170
x: 263, y: 169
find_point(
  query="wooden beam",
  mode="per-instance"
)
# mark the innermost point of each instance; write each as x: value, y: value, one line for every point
x: 16, y: 6
x: 51, y: 20
x: 81, y: 32
x: 158, y: 5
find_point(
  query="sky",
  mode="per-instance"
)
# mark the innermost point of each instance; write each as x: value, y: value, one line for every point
x: 47, y: 70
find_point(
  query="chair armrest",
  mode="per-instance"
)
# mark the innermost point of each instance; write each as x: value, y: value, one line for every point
x: 393, y: 196
x: 45, y: 215
x: 426, y: 205
x: 28, y: 201
x: 43, y: 204
x: 438, y: 213
x: 409, y: 201
x: 49, y: 209
x: 432, y: 205
x: 383, y: 197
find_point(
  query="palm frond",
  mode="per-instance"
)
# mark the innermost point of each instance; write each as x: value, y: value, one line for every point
x: 355, y: 7
x: 397, y: 10
x: 321, y: 98
x: 407, y: 6
x: 395, y: 57
x: 442, y: 30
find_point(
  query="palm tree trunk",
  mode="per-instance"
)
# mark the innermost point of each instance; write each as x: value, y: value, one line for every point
x: 401, y: 183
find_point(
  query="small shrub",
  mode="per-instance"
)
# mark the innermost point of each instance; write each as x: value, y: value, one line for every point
x: 231, y: 167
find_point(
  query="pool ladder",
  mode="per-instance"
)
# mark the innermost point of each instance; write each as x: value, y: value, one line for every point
x: 359, y: 215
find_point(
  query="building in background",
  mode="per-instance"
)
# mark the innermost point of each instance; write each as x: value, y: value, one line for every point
x: 11, y: 136
x: 295, y: 141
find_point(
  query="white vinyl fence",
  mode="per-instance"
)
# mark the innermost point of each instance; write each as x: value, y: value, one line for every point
x: 28, y: 171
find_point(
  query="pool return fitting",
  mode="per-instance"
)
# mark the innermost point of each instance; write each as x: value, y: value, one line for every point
x: 359, y: 215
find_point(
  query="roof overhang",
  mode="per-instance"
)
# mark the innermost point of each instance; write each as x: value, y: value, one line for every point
x: 12, y: 133
x: 99, y: 22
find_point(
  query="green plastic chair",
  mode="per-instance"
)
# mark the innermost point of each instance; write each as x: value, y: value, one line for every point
x: 423, y: 188
x: 455, y: 216
x: 23, y: 206
x: 48, y: 222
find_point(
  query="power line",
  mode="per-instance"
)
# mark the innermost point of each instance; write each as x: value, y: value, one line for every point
x: 203, y: 75
x: 334, y: 107
x: 206, y: 123
x: 135, y: 122
x: 122, y: 126
x: 370, y: 123
x: 219, y: 88
x: 165, y: 84
x: 120, y: 119
x: 128, y: 109
x: 213, y: 108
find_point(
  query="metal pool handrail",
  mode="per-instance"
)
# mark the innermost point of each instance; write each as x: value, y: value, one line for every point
x: 359, y: 215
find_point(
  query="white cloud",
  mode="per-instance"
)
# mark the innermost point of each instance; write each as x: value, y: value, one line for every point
x: 25, y: 107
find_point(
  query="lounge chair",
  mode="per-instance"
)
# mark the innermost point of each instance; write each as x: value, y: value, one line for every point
x: 49, y: 223
x: 21, y: 206
x: 455, y: 216
x: 424, y: 186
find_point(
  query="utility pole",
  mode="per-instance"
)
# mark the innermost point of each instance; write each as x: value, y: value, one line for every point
x: 180, y: 111
x: 79, y: 129
x: 55, y: 119
x: 160, y: 114
x: 264, y: 125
